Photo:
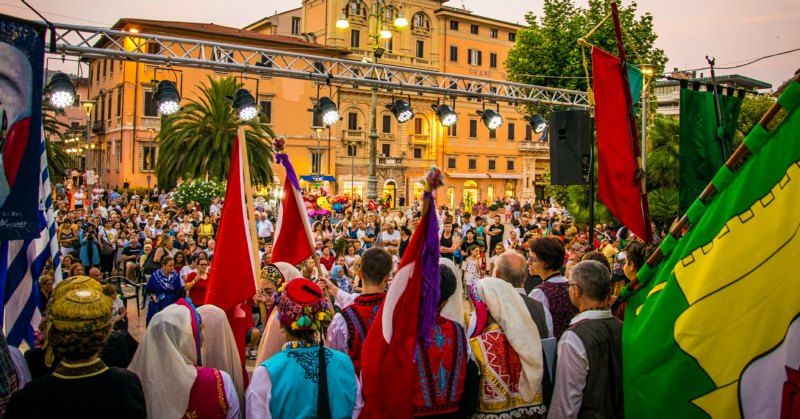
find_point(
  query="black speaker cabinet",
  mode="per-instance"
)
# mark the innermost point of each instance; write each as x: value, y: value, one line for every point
x: 570, y: 147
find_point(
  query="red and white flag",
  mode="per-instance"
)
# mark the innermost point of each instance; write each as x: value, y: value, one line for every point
x: 293, y: 240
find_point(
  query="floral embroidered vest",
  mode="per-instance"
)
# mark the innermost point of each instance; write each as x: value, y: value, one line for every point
x: 441, y: 368
x: 207, y: 398
x: 359, y: 317
x: 561, y: 307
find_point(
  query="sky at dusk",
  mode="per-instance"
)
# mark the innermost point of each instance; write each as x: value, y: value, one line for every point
x: 733, y: 31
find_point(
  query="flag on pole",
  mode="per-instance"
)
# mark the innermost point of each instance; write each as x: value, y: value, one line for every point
x: 388, y: 369
x: 293, y: 240
x: 714, y: 330
x: 617, y: 185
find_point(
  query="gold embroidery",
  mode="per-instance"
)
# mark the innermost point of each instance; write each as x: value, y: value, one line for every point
x: 221, y: 392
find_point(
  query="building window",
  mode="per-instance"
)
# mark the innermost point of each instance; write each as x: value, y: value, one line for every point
x: 352, y: 121
x: 473, y: 164
x: 493, y: 33
x: 74, y: 125
x: 418, y: 126
x: 453, y: 53
x: 511, y: 128
x: 148, y: 107
x: 473, y: 29
x: 355, y: 38
x: 492, y: 164
x: 119, y: 102
x: 316, y: 120
x: 512, y: 37
x: 266, y: 61
x: 386, y: 150
x: 97, y: 71
x: 473, y: 128
x: 355, y: 8
x: 452, y: 130
x: 475, y: 57
x: 388, y: 45
x: 105, y: 67
x: 316, y: 162
x: 528, y: 132
x: 295, y: 26
x: 417, y: 153
x: 420, y: 21
x: 108, y: 117
x: 266, y: 110
x: 352, y: 150
x: 510, y: 165
x: 386, y: 126
x: 153, y: 48
x: 102, y: 114
x: 118, y: 152
x: 420, y: 49
x: 492, y: 134
x: 147, y: 157
x: 453, y: 25
x: 451, y: 162
x: 492, y: 60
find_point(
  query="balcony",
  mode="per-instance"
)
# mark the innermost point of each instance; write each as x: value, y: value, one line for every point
x: 529, y: 145
x: 354, y: 135
x: 98, y: 127
x: 390, y: 161
x: 151, y: 123
x: 420, y: 139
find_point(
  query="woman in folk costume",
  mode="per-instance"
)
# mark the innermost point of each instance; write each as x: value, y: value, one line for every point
x: 508, y: 353
x: 168, y: 363
x: 219, y: 346
x: 304, y: 370
x: 164, y: 287
x: 79, y: 321
x: 454, y: 308
x: 272, y: 338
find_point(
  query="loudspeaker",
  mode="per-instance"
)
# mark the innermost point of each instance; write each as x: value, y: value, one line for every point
x: 570, y: 147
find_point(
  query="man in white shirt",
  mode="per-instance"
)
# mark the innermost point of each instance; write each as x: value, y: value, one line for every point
x: 589, y: 372
x: 390, y: 238
x: 264, y: 227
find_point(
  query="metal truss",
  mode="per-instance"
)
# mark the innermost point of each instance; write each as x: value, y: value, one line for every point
x: 91, y: 42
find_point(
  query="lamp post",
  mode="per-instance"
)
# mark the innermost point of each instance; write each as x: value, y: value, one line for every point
x: 150, y: 151
x: 353, y: 171
x: 88, y: 105
x: 647, y: 74
x: 378, y: 31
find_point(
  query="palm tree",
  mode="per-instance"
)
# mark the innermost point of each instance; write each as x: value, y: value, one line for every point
x: 198, y: 139
x: 662, y: 169
x: 58, y: 161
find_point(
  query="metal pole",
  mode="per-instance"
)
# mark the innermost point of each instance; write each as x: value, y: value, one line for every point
x: 718, y: 111
x: 353, y: 173
x: 644, y: 125
x: 150, y: 151
x: 591, y: 197
x: 372, y: 180
x: 88, y: 144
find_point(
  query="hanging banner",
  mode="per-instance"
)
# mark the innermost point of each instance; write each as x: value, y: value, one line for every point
x: 21, y: 79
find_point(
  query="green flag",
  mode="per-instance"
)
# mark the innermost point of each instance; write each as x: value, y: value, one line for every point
x: 701, y: 155
x: 714, y: 329
x: 636, y: 81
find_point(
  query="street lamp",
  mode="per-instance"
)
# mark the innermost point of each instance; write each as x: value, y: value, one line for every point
x: 88, y: 105
x: 647, y: 73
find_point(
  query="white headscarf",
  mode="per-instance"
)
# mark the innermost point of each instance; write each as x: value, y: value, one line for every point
x: 509, y: 311
x: 219, y: 346
x: 272, y: 338
x: 165, y: 363
x: 454, y: 308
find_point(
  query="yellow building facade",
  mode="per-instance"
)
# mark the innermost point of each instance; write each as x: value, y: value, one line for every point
x: 479, y: 164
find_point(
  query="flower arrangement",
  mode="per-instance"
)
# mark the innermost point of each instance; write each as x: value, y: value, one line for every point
x: 198, y: 190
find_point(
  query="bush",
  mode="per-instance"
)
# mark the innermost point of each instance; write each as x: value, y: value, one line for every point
x: 493, y: 207
x: 198, y: 191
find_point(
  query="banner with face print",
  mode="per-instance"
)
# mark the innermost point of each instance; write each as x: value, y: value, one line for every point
x: 21, y: 80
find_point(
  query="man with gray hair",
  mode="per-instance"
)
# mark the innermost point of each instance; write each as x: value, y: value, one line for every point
x: 589, y: 370
x: 513, y: 268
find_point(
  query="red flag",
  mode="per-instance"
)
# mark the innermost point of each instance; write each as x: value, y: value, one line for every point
x: 388, y: 367
x: 293, y: 240
x: 232, y: 278
x: 617, y: 186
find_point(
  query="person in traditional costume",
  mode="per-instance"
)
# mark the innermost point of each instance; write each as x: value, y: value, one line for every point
x: 220, y: 347
x: 349, y: 327
x: 454, y: 306
x: 547, y: 258
x: 169, y: 361
x: 304, y: 370
x: 508, y: 352
x: 272, y: 338
x: 589, y: 370
x: 164, y: 287
x: 79, y: 323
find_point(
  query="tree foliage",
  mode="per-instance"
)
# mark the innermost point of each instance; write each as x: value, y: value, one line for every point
x: 198, y: 139
x: 662, y: 169
x: 58, y: 161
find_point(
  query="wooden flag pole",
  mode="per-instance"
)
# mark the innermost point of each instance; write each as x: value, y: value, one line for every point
x: 637, y: 152
x: 248, y: 200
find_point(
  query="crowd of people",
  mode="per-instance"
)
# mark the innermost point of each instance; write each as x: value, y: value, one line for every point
x: 524, y: 328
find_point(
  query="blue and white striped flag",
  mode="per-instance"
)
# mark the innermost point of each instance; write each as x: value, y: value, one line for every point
x: 21, y: 263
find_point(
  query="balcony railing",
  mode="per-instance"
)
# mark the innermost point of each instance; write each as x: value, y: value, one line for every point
x: 98, y: 127
x: 350, y: 134
x: 390, y: 161
x: 419, y: 138
x: 151, y: 123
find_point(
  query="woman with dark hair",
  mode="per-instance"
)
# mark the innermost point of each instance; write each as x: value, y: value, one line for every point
x: 405, y: 237
x: 546, y: 259
x: 90, y: 248
x: 304, y: 366
x: 163, y: 287
x: 180, y: 261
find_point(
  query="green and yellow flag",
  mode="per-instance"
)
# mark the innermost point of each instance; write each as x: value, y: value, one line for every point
x: 715, y: 329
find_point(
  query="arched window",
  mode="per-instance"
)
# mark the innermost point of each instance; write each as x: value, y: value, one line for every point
x: 421, y: 20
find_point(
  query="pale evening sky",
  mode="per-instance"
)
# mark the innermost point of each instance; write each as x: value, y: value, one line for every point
x: 734, y: 31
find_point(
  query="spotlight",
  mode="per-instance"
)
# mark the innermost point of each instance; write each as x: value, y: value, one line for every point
x: 538, y: 123
x: 491, y: 118
x: 342, y: 23
x: 447, y: 116
x: 328, y: 110
x: 245, y: 105
x: 402, y: 110
x: 166, y: 97
x: 61, y: 90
